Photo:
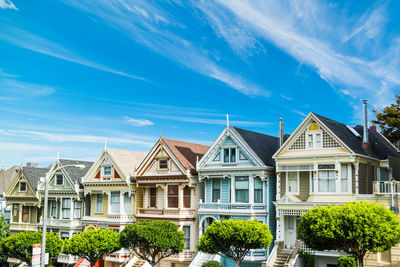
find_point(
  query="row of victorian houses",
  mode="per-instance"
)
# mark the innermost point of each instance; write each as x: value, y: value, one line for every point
x: 242, y: 175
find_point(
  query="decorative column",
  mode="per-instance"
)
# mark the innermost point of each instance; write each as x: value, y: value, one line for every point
x: 180, y: 195
x: 71, y: 215
x: 233, y: 188
x: 165, y: 196
x: 251, y: 189
x: 121, y: 202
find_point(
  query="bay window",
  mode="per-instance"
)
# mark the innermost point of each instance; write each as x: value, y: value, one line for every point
x: 115, y: 202
x: 77, y: 209
x: 153, y: 197
x: 186, y: 197
x: 53, y: 208
x: 186, y: 230
x: 258, y: 190
x: 216, y: 189
x: 242, y: 189
x: 99, y: 203
x: 345, y: 176
x: 25, y: 214
x: 173, y: 196
x: 326, y: 178
x: 293, y: 182
x: 66, y: 208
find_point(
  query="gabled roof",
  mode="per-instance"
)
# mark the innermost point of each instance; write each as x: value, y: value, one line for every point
x: 187, y: 153
x: 381, y: 148
x: 73, y: 172
x: 33, y: 174
x: 264, y: 146
x: 6, y: 177
x: 126, y: 160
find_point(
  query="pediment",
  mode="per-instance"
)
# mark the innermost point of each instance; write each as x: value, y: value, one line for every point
x: 104, y: 170
x: 16, y: 186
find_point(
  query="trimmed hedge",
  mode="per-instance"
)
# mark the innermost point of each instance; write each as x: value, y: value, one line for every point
x: 212, y: 264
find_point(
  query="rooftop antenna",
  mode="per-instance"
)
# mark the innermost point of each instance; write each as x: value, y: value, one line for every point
x: 227, y: 119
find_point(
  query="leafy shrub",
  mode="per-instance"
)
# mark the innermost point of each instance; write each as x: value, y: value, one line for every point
x: 212, y: 264
x: 346, y: 261
x: 307, y: 258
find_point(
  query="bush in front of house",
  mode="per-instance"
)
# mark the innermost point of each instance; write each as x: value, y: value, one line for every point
x: 347, y: 261
x: 212, y: 264
x: 308, y: 259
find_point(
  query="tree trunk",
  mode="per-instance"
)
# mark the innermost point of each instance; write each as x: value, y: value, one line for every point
x: 360, y: 260
x: 237, y: 263
x: 92, y: 264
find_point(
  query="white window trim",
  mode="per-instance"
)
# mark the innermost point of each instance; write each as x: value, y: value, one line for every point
x: 314, y: 133
x: 230, y: 151
x: 349, y: 179
x: 110, y: 212
x: 96, y: 211
x: 163, y: 169
x: 102, y: 171
x: 338, y: 180
x: 297, y: 192
x: 220, y: 190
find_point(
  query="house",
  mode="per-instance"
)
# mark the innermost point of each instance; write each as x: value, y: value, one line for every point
x: 167, y: 188
x: 24, y: 199
x: 237, y: 181
x: 325, y: 162
x: 66, y: 203
x: 110, y: 194
x: 6, y: 177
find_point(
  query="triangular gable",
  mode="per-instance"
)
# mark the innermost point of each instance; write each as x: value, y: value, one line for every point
x: 298, y: 140
x: 68, y: 185
x: 151, y: 163
x: 95, y: 173
x: 13, y: 189
x: 229, y: 138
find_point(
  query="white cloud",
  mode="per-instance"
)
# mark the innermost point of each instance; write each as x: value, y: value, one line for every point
x: 7, y: 4
x: 41, y: 45
x: 26, y: 88
x: 141, y: 21
x: 138, y: 122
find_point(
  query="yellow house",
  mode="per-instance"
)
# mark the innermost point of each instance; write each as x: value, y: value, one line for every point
x: 110, y: 192
x: 24, y: 199
x: 327, y: 162
x: 166, y: 190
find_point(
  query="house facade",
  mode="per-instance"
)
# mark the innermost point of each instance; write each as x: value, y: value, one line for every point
x: 237, y: 181
x: 66, y: 203
x: 167, y: 188
x: 24, y: 199
x: 325, y: 162
x: 110, y: 195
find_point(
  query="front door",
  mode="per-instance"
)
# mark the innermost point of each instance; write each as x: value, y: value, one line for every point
x: 290, y: 231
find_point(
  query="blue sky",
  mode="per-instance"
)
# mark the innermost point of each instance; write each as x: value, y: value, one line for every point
x: 76, y: 73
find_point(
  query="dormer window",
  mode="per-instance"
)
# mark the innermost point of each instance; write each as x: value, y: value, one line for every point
x: 107, y: 171
x: 22, y: 186
x: 230, y: 155
x: 59, y: 179
x: 163, y: 164
x: 314, y: 137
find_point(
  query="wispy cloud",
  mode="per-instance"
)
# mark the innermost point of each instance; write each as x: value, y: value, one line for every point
x: 26, y: 88
x: 138, y: 122
x: 7, y: 4
x: 305, y: 32
x: 75, y: 138
x: 41, y: 45
x: 152, y: 26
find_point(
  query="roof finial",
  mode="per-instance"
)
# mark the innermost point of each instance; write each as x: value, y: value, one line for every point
x: 160, y: 134
x: 105, y: 144
x: 227, y: 119
x: 58, y: 156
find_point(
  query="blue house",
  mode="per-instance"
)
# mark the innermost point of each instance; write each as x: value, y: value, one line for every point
x: 237, y: 181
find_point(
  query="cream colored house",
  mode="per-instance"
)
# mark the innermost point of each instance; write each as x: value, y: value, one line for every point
x: 110, y: 192
x: 327, y: 162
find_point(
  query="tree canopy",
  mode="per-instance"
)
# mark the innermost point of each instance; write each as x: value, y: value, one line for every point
x: 355, y: 228
x: 4, y: 233
x: 153, y: 240
x: 19, y: 246
x: 93, y: 244
x: 389, y: 121
x: 234, y: 238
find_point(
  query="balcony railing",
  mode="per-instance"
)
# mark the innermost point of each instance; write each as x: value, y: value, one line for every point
x: 173, y: 212
x: 232, y: 206
x: 386, y: 187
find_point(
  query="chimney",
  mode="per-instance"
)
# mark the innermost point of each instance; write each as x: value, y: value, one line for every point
x: 365, y: 143
x: 280, y: 132
x: 374, y: 128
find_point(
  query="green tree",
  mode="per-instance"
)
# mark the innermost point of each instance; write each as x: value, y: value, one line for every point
x: 355, y: 228
x: 153, y: 240
x: 92, y: 244
x: 19, y: 246
x: 4, y: 233
x: 234, y: 238
x: 389, y: 121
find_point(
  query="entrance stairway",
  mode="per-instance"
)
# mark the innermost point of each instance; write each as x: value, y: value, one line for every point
x: 281, y: 256
x: 202, y: 257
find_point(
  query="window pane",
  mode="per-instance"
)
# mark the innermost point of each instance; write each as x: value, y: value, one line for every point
x: 186, y: 197
x: 226, y: 155
x: 64, y: 235
x: 344, y: 178
x: 258, y: 190
x: 318, y: 140
x: 326, y: 181
x: 242, y: 189
x: 115, y: 202
x: 153, y: 197
x: 59, y: 179
x: 163, y: 164
x: 53, y: 212
x: 292, y: 182
x: 186, y: 230
x: 107, y: 171
x: 99, y: 203
x: 22, y: 186
x: 127, y: 203
x: 172, y: 196
x: 310, y: 140
x: 77, y: 209
x: 15, y: 212
x: 216, y: 191
x: 25, y: 214
x: 233, y: 154
x: 66, y: 208
x: 290, y: 222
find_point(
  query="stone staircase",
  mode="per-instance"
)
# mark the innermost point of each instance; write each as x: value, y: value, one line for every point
x: 282, y: 257
x: 201, y: 258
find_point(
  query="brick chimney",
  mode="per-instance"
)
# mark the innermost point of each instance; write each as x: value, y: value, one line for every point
x: 374, y: 128
x: 365, y: 143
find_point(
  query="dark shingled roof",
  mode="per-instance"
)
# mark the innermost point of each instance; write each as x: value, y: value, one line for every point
x: 73, y: 172
x: 263, y: 145
x: 380, y: 147
x: 33, y: 174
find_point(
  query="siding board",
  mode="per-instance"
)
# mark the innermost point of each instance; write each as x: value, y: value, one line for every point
x: 304, y: 180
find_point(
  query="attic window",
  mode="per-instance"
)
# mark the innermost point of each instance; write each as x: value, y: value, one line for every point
x: 163, y: 164
x: 22, y: 186
x: 229, y: 155
x: 107, y: 171
x: 59, y: 179
x: 313, y: 127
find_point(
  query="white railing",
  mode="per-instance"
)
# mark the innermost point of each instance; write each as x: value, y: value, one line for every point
x: 304, y: 248
x: 272, y: 256
x: 386, y: 187
x: 232, y: 206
